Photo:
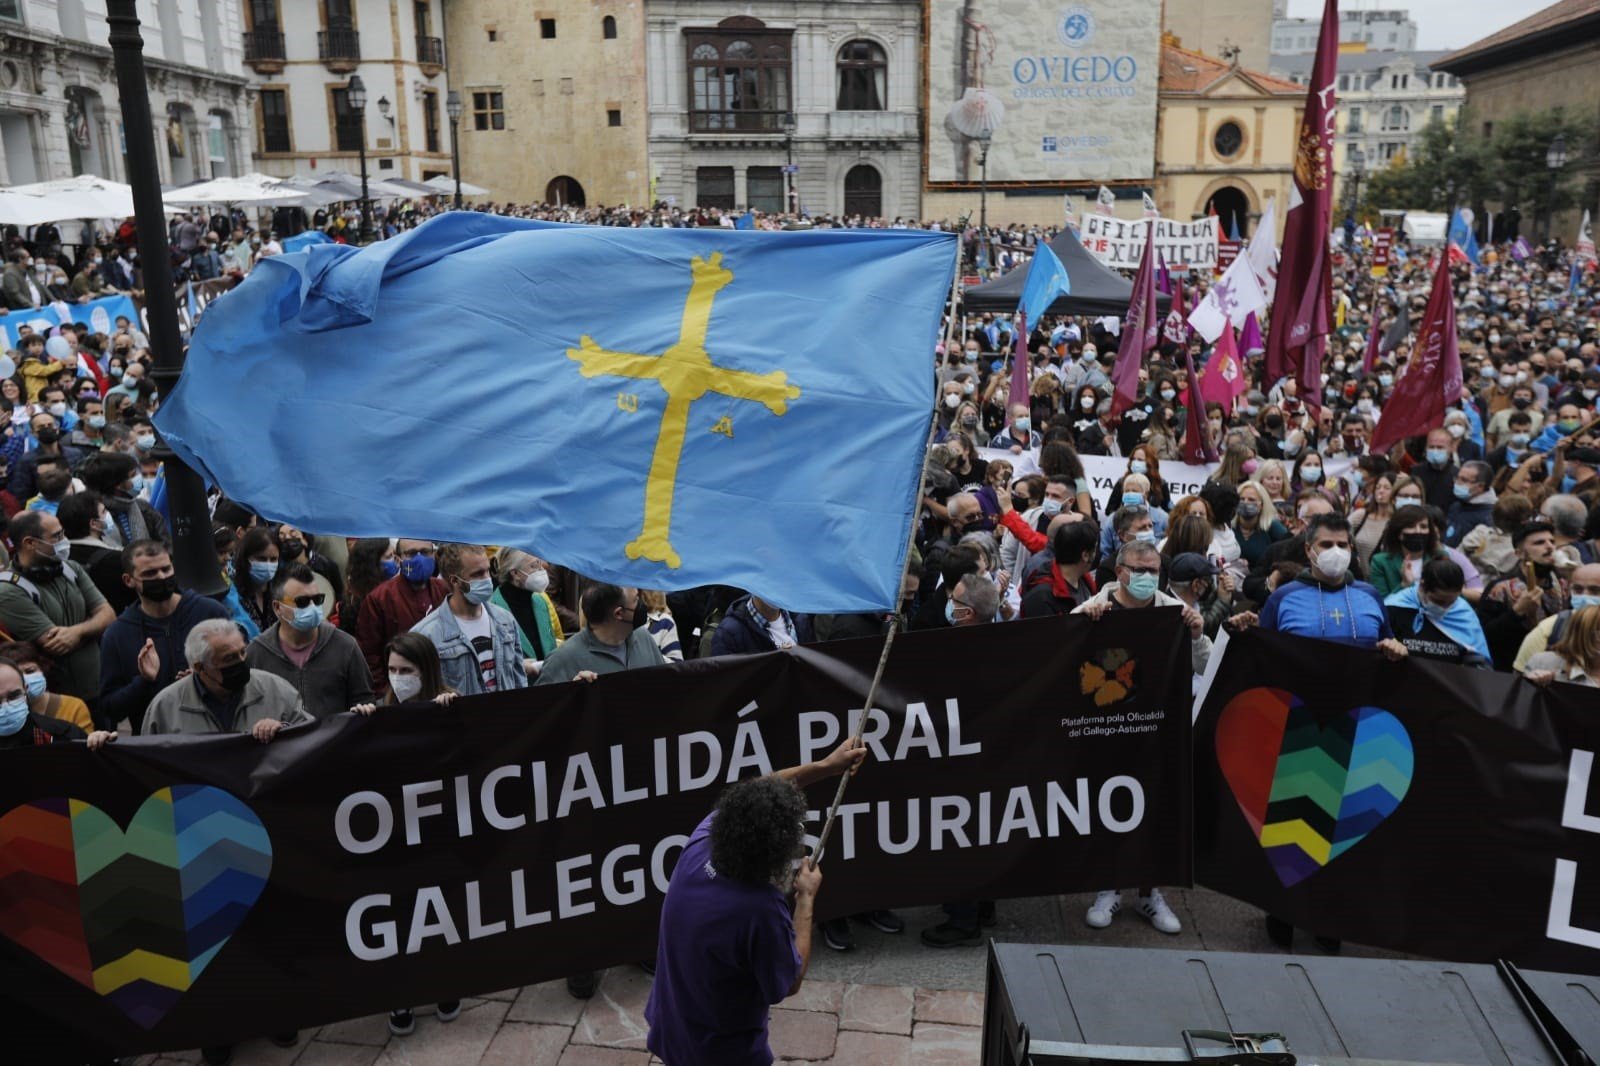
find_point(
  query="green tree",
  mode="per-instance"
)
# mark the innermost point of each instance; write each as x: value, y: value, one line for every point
x: 1453, y: 164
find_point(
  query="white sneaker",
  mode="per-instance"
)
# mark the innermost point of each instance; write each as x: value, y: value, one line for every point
x: 1154, y: 907
x: 1104, y: 908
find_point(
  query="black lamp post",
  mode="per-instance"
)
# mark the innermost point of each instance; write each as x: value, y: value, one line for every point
x: 1358, y: 169
x: 452, y: 107
x: 983, y: 188
x: 1554, y: 160
x: 788, y: 169
x: 193, y: 555
x: 356, y: 96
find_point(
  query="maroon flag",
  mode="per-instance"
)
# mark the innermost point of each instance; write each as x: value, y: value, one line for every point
x: 1141, y: 329
x: 1197, y: 446
x: 1176, y: 329
x: 1019, y: 368
x: 1302, y: 307
x: 1432, y: 381
x: 1374, y: 339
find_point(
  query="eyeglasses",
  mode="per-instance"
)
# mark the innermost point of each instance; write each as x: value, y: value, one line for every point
x: 307, y: 600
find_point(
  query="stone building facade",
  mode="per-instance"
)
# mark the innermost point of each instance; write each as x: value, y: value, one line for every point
x: 740, y: 92
x: 59, y: 109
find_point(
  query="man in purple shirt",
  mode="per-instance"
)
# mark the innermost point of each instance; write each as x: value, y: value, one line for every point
x: 731, y: 943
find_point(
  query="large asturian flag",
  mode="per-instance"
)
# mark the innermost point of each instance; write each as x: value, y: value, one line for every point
x: 1432, y: 380
x: 641, y: 405
x: 1231, y: 299
x: 1302, y: 312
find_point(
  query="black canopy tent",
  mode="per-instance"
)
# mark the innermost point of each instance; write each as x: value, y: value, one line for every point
x: 1096, y: 288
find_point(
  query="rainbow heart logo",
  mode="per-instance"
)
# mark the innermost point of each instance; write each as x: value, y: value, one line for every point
x: 133, y: 916
x: 1311, y: 790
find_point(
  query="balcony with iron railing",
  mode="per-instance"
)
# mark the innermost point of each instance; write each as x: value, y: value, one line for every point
x: 430, y: 55
x: 339, y: 49
x: 263, y: 49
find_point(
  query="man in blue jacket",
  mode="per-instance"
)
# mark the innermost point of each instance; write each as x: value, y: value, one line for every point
x: 752, y: 624
x: 142, y: 652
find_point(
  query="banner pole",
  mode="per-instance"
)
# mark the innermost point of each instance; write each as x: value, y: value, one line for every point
x: 895, y: 621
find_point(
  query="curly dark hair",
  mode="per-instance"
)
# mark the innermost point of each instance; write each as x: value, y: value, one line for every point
x: 758, y: 829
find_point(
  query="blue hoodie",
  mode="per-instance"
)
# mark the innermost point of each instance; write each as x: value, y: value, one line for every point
x: 124, y: 693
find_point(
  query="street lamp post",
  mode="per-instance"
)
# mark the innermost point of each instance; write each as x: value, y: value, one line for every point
x: 1554, y: 160
x: 788, y: 167
x: 452, y: 107
x: 983, y: 187
x: 1358, y: 168
x: 194, y: 556
x: 356, y: 95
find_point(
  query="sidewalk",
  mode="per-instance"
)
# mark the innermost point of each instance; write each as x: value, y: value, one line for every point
x: 890, y: 1002
x: 870, y: 1025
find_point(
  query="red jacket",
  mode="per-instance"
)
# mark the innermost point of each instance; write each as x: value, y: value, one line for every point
x: 389, y: 610
x: 1029, y: 537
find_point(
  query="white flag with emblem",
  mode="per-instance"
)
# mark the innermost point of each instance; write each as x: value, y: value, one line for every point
x: 1263, y: 251
x: 1230, y: 299
x: 1106, y: 201
x: 1586, y: 239
x: 1150, y: 208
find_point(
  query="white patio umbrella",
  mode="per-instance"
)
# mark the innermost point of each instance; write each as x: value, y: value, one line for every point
x: 445, y: 183
x: 85, y: 196
x: 22, y: 209
x: 248, y: 190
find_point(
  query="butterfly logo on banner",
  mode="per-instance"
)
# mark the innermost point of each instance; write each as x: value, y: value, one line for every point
x: 134, y: 916
x: 1311, y: 788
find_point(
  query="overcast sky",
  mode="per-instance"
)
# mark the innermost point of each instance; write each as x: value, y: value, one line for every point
x: 1440, y: 23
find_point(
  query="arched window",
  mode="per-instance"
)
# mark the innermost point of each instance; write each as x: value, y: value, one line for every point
x: 863, y: 192
x: 565, y: 192
x: 738, y: 76
x: 608, y: 28
x: 863, y: 77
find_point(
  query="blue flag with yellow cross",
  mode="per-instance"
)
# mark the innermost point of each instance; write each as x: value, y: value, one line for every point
x: 662, y: 408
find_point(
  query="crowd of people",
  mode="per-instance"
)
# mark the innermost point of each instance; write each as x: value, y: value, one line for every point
x: 1478, y: 543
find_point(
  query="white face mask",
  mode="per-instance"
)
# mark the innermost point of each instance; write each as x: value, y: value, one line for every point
x: 1333, y: 563
x: 536, y: 581
x: 404, y: 686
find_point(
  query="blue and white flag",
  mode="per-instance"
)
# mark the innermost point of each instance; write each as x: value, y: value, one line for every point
x: 664, y: 408
x: 100, y: 315
x: 1047, y: 279
x: 1461, y: 234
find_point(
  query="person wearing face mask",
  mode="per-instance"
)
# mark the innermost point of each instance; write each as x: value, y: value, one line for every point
x: 1572, y: 658
x: 1326, y: 601
x: 1569, y: 419
x: 1018, y: 436
x: 1438, y: 469
x: 399, y: 602
x: 90, y: 432
x: 1138, y: 585
x: 1474, y: 503
x: 141, y: 652
x: 1085, y: 373
x: 1513, y: 447
x: 479, y: 648
x: 23, y: 482
x: 19, y: 287
x: 55, y: 482
x: 48, y: 599
x: 1409, y: 542
x: 369, y: 562
x: 88, y: 527
x: 222, y: 694
x: 1434, y: 621
x: 295, y: 546
x: 21, y: 727
x: 1132, y: 490
x: 26, y: 657
x: 524, y: 581
x: 255, y: 567
x: 116, y: 478
x: 321, y: 661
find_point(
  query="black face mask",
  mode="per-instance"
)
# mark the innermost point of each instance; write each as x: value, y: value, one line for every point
x: 48, y: 434
x: 159, y: 589
x: 291, y: 549
x: 235, y: 677
x: 1414, y: 542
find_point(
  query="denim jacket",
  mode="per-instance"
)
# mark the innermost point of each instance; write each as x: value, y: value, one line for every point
x: 460, y: 663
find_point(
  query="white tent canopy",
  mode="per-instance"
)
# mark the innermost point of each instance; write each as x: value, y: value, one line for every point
x: 84, y: 196
x: 445, y: 183
x: 250, y: 190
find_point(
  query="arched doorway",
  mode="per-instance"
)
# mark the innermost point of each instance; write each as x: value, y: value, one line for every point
x: 1233, y: 210
x: 565, y: 192
x: 863, y: 192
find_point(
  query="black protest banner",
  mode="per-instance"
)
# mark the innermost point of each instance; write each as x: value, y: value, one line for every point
x: 167, y: 893
x: 1415, y: 806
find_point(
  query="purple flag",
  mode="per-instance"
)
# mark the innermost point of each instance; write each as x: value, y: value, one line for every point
x: 1141, y: 329
x: 1250, y: 342
x: 1197, y: 446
